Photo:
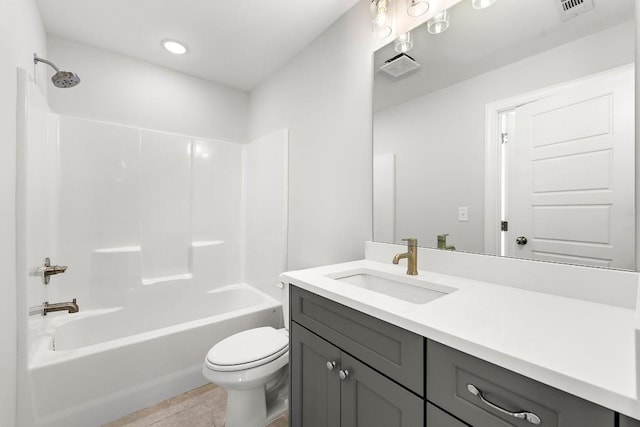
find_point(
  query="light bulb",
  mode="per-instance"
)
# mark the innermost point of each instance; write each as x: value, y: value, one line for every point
x: 439, y: 23
x: 379, y: 19
x: 403, y: 43
x: 417, y: 7
x: 481, y: 4
x: 381, y: 31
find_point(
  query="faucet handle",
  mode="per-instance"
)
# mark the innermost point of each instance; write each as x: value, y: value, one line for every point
x: 411, y: 241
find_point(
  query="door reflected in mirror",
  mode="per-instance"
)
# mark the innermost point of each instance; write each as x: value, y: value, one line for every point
x: 512, y: 132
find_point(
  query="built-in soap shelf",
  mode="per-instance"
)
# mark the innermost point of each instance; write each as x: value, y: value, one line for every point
x: 128, y: 249
x: 161, y: 279
x: 131, y: 256
x: 117, y: 250
x: 205, y: 243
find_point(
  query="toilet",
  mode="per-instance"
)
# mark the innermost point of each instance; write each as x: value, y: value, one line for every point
x: 253, y: 367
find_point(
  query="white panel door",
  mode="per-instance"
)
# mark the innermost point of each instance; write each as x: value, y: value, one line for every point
x: 571, y: 189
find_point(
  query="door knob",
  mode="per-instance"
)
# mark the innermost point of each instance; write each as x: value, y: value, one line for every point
x: 521, y: 240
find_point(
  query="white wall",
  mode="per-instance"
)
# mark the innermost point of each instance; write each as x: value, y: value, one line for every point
x: 323, y: 96
x: 266, y: 209
x: 21, y: 34
x: 128, y: 91
x: 438, y: 138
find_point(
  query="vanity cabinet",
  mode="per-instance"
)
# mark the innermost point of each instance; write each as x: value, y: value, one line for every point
x: 339, y: 383
x: 628, y: 422
x: 486, y: 395
x: 351, y: 369
x: 438, y: 418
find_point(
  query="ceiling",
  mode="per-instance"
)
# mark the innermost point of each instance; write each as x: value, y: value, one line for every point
x: 478, y: 41
x: 234, y: 42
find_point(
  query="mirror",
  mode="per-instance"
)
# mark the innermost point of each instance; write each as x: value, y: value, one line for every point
x: 511, y: 133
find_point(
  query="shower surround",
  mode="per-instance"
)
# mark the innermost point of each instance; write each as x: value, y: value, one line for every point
x: 153, y: 227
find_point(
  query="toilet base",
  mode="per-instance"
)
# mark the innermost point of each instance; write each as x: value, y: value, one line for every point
x: 257, y: 407
x: 259, y: 415
x: 246, y: 408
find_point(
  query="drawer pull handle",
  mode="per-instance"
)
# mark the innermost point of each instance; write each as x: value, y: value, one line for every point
x: 330, y: 365
x: 528, y: 416
x: 343, y: 374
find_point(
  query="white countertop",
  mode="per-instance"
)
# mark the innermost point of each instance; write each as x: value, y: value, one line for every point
x: 581, y: 347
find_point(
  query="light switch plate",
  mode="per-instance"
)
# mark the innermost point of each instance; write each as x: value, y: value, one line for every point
x: 463, y: 214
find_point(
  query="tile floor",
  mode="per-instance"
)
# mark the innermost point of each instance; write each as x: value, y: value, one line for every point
x: 202, y: 407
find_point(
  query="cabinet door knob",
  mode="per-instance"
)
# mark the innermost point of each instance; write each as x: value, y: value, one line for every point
x: 330, y: 365
x: 527, y: 416
x: 343, y: 374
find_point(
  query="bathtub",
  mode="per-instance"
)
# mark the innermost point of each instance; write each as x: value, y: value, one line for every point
x: 99, y: 365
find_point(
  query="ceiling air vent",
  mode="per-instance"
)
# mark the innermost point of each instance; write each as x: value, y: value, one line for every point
x: 571, y: 8
x: 399, y: 65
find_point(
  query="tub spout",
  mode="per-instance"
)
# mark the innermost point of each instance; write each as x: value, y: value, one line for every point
x: 70, y: 307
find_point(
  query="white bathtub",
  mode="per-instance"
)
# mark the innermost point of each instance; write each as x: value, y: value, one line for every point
x: 98, y: 365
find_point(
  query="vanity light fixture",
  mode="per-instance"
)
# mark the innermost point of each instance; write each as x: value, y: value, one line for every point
x: 403, y: 43
x: 439, y: 23
x: 417, y: 7
x: 380, y: 19
x: 174, y: 47
x: 481, y: 4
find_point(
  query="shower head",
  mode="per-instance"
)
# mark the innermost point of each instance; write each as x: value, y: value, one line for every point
x: 65, y: 79
x: 61, y: 79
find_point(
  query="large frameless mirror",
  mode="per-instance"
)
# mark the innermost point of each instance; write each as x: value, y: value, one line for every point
x: 509, y: 131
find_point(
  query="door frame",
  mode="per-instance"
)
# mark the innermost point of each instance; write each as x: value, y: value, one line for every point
x: 492, y: 159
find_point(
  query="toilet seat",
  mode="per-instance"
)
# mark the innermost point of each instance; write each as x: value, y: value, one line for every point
x: 247, y: 349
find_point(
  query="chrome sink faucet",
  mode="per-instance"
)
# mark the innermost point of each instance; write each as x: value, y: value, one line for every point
x: 70, y: 307
x: 411, y: 255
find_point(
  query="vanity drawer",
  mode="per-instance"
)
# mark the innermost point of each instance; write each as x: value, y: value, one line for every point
x: 452, y: 374
x: 628, y: 422
x: 395, y: 352
x: 438, y: 418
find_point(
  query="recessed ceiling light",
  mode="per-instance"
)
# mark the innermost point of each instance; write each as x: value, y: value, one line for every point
x: 174, y: 47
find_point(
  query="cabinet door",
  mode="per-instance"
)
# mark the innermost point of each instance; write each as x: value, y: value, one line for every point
x: 315, y: 390
x: 371, y: 400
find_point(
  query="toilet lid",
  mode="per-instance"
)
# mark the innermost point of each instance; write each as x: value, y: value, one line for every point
x: 254, y: 347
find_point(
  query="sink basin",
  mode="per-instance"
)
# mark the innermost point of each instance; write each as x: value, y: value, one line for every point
x: 407, y: 289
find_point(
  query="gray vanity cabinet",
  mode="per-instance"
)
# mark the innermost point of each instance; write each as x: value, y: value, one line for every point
x: 438, y: 418
x: 315, y: 390
x: 486, y: 395
x: 331, y: 387
x: 628, y: 422
x: 372, y: 400
x: 349, y: 369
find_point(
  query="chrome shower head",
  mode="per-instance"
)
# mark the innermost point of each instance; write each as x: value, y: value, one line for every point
x: 65, y: 79
x: 61, y: 79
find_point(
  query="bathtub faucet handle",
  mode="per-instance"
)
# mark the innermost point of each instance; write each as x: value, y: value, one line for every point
x: 50, y: 270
